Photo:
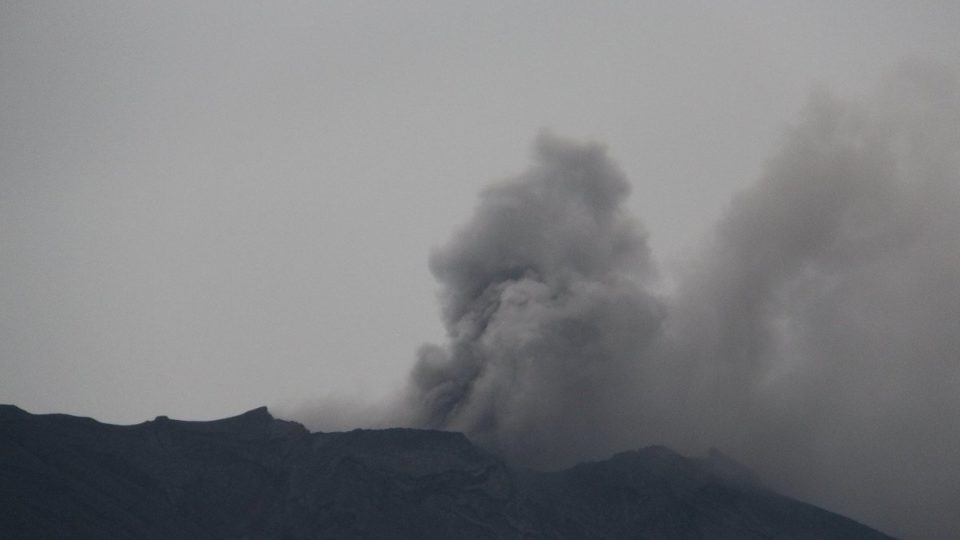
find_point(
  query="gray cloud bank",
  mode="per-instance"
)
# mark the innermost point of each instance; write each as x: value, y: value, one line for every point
x: 816, y: 334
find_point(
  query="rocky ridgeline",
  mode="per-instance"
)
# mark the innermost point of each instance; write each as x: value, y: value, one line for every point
x: 252, y: 476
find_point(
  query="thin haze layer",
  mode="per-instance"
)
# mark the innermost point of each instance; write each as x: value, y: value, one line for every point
x: 816, y: 335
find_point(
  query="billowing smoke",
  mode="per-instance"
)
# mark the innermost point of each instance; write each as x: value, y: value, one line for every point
x: 816, y: 334
x: 545, y: 307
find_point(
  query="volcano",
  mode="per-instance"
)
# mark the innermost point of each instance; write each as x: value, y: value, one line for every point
x: 254, y: 476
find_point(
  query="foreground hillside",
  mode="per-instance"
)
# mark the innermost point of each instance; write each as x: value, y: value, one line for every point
x: 252, y: 476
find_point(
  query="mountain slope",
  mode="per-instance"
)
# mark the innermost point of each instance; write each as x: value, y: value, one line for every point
x: 252, y: 476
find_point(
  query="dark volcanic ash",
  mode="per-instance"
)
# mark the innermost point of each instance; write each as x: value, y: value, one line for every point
x: 545, y: 307
x: 816, y: 335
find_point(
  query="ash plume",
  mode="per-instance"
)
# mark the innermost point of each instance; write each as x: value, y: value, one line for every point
x: 545, y: 307
x: 815, y: 335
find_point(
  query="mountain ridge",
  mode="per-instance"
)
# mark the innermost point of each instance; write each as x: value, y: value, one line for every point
x: 254, y: 476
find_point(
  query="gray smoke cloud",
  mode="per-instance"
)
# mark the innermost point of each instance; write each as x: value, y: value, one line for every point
x: 815, y: 335
x: 818, y: 335
x: 543, y: 300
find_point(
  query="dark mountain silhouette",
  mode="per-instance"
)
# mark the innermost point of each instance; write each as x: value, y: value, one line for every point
x: 253, y: 476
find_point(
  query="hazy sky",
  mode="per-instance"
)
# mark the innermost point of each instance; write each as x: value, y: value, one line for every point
x: 209, y: 206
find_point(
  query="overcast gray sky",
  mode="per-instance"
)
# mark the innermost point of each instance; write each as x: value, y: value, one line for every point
x: 209, y: 206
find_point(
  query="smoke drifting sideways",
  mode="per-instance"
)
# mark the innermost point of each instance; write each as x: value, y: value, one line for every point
x: 815, y: 335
